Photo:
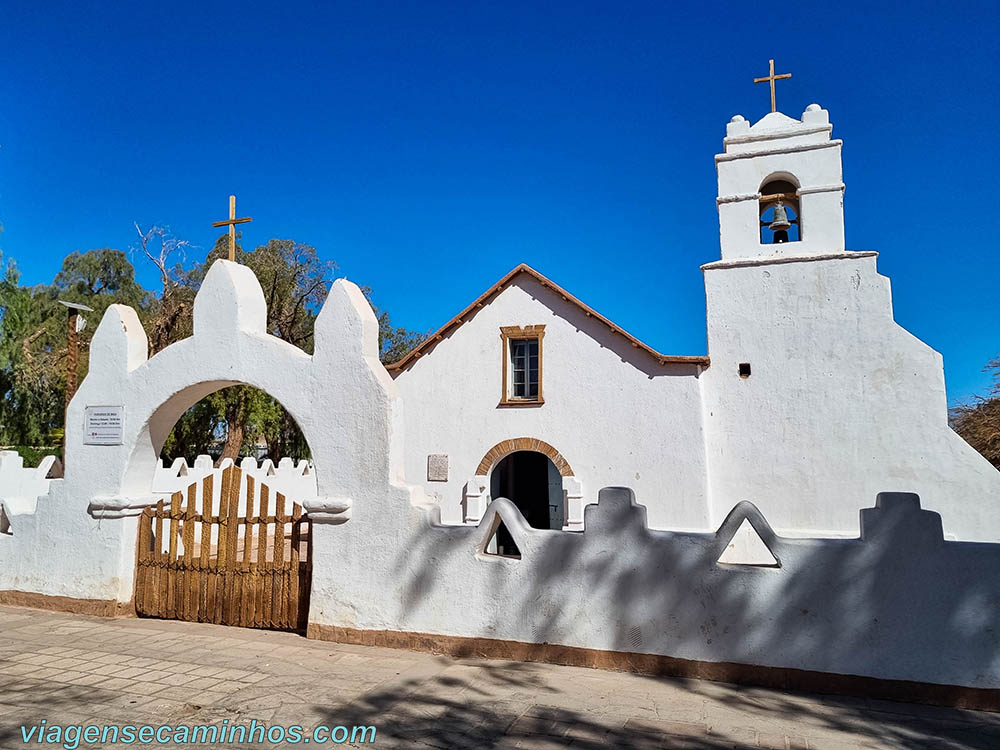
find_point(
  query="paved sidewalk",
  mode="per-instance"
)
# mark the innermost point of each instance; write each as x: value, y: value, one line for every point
x: 87, y: 670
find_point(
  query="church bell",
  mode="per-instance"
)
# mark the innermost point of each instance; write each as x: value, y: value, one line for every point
x: 780, y: 224
x: 780, y: 219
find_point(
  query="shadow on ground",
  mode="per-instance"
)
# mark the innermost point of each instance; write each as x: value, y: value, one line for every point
x: 450, y: 712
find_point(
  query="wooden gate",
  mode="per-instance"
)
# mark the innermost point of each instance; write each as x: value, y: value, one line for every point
x: 251, y: 570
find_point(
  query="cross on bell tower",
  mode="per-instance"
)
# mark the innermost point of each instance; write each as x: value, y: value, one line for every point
x: 771, y: 77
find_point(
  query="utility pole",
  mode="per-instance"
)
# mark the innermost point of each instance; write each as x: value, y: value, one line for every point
x: 74, y: 324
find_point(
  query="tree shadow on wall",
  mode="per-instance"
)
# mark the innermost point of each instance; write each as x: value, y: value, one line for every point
x: 899, y: 601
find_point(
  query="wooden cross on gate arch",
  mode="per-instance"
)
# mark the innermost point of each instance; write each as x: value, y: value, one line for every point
x: 232, y: 222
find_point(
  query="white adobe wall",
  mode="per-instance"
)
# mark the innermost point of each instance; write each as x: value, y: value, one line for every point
x: 898, y: 603
x: 20, y: 485
x: 294, y: 481
x: 842, y: 403
x: 80, y: 541
x: 617, y: 416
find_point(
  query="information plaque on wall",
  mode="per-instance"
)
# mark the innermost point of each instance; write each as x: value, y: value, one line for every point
x: 104, y: 425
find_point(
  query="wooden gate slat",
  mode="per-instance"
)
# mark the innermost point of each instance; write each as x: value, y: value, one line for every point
x: 190, y: 586
x: 183, y: 576
x: 246, y: 582
x: 264, y: 568
x: 232, y: 569
x: 222, y: 549
x: 175, y: 508
x: 161, y: 572
x: 142, y: 564
x: 206, y: 550
x: 292, y: 610
x: 277, y: 579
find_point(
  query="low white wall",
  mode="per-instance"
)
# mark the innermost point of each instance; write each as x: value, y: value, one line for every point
x: 297, y: 482
x: 21, y: 486
x: 898, y: 602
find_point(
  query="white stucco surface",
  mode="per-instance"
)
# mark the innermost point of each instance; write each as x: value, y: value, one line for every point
x: 608, y: 408
x: 697, y: 497
x: 842, y: 403
x: 293, y: 480
x: 80, y: 542
x: 781, y: 147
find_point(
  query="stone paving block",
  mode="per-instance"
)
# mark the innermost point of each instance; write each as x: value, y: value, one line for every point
x: 543, y: 743
x: 149, y: 675
x: 146, y: 688
x: 128, y: 673
x: 65, y: 662
x: 109, y: 658
x: 46, y: 673
x: 206, y: 671
x: 106, y: 669
x: 175, y: 679
x: 772, y: 741
x: 70, y: 675
x: 680, y: 728
x: 35, y: 658
x: 114, y: 683
x: 87, y: 679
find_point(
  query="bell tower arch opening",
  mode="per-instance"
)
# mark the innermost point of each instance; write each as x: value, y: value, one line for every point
x: 778, y: 206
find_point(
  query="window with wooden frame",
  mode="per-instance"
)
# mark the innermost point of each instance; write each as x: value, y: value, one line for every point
x: 522, y: 365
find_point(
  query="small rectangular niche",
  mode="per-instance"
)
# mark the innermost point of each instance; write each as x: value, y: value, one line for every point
x: 744, y: 370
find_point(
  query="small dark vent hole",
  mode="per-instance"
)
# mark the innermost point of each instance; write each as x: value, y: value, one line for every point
x: 744, y: 369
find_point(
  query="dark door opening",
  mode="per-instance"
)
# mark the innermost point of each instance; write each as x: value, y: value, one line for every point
x: 532, y: 482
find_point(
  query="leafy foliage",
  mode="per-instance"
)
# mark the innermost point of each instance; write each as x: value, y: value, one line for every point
x: 229, y: 423
x: 33, y: 352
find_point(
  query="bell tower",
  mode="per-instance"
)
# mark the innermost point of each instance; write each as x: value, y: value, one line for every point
x: 781, y: 189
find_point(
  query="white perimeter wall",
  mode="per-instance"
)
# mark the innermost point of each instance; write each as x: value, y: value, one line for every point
x: 842, y: 403
x: 616, y: 415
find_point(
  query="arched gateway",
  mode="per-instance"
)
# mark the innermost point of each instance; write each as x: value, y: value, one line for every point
x: 340, y: 396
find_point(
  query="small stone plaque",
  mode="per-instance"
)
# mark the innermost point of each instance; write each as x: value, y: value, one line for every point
x: 437, y: 467
x: 104, y: 425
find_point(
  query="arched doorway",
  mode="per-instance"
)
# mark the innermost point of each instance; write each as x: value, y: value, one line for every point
x: 533, y: 483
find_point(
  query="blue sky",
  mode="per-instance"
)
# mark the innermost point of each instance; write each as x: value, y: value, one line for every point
x: 430, y: 147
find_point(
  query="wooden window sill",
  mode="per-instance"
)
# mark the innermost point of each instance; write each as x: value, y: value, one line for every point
x: 515, y: 402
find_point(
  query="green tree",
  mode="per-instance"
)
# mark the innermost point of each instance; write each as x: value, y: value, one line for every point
x: 33, y: 351
x: 33, y: 348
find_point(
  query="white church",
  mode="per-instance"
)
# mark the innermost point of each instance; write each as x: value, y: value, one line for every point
x: 811, y: 396
x: 532, y: 482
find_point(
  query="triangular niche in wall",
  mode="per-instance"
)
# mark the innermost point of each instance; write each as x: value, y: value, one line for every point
x: 501, y: 542
x: 747, y: 548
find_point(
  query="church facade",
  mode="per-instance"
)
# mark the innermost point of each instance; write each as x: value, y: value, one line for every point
x: 810, y: 397
x: 789, y: 509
